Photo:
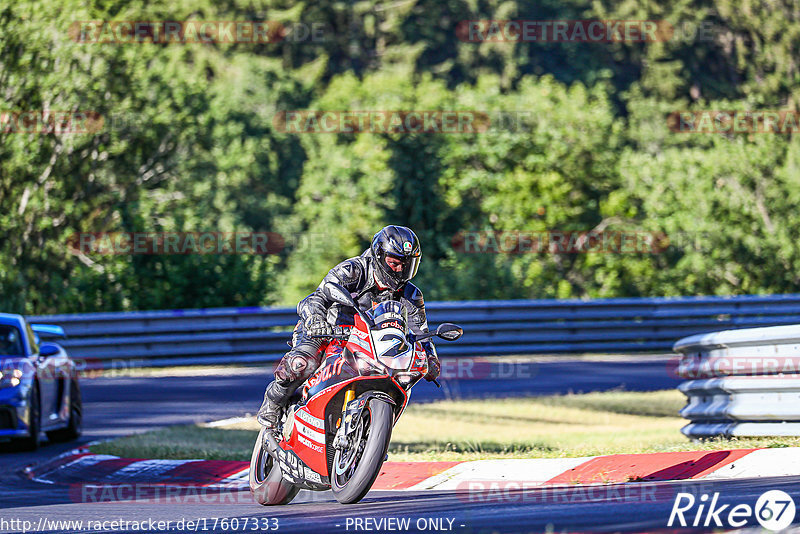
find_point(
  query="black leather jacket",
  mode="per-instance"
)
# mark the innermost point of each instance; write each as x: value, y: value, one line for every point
x: 357, y: 276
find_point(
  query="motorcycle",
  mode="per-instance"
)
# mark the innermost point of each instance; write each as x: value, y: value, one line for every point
x: 336, y: 431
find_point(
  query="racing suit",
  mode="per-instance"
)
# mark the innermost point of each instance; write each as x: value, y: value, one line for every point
x: 357, y: 276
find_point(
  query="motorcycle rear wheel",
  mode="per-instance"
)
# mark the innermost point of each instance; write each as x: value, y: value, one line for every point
x: 266, y: 483
x: 352, y: 478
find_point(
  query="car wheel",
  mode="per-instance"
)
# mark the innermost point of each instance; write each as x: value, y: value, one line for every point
x: 75, y: 424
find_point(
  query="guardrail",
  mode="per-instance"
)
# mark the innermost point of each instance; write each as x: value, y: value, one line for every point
x: 255, y: 334
x: 742, y: 382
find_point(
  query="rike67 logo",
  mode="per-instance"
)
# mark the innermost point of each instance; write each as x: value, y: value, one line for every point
x: 774, y: 510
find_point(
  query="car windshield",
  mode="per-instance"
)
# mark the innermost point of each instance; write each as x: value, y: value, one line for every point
x: 10, y: 341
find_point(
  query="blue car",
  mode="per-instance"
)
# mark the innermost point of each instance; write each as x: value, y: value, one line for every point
x: 39, y: 390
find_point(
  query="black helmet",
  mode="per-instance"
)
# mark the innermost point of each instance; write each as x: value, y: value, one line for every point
x: 400, y: 243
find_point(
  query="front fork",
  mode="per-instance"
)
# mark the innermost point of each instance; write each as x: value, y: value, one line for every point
x: 343, y: 424
x: 351, y: 413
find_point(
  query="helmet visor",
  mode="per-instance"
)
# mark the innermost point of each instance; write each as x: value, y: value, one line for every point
x: 408, y: 267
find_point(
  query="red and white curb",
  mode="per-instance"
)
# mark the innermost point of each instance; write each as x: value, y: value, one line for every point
x: 81, y: 467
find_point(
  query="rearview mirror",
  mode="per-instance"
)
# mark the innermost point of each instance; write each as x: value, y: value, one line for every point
x: 48, y: 349
x: 337, y: 293
x: 449, y: 331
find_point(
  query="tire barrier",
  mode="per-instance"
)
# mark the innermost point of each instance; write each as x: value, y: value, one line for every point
x: 741, y: 383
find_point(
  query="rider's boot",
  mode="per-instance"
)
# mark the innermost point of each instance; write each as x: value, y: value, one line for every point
x: 275, y: 399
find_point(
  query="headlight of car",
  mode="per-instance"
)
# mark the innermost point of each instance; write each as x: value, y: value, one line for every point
x: 10, y: 378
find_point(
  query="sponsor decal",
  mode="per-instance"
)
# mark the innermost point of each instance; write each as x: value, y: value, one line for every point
x: 309, y: 433
x: 327, y: 372
x: 309, y: 419
x: 309, y: 444
x: 312, y: 476
x: 361, y: 343
x: 359, y: 334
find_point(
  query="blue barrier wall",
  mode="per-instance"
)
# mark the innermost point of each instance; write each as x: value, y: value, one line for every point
x: 242, y: 335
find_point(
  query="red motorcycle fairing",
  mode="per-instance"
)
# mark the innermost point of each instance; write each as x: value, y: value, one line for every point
x: 308, y: 453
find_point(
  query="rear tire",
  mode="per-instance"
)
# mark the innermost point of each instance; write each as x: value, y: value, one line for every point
x: 349, y: 488
x: 75, y: 424
x: 266, y: 483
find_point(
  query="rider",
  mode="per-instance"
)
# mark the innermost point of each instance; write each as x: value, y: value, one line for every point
x: 380, y: 273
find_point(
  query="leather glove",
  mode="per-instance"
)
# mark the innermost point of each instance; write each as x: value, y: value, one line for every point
x: 341, y: 331
x: 434, y: 367
x: 316, y: 325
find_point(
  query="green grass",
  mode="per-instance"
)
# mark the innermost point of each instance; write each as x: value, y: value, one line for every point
x: 183, y: 442
x: 532, y: 427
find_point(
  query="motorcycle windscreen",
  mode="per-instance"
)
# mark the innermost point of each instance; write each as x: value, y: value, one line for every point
x: 392, y: 349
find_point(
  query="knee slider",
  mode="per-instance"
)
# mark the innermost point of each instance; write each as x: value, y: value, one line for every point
x: 298, y: 364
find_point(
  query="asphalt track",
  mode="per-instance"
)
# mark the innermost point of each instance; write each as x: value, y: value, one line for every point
x: 641, y: 507
x: 118, y: 406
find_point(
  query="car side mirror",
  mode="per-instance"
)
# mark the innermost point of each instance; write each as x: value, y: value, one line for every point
x: 449, y: 331
x: 48, y: 349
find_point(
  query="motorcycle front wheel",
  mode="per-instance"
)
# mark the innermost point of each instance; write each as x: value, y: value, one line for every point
x: 355, y: 468
x: 266, y: 483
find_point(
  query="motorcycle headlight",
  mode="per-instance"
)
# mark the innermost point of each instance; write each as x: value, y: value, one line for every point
x: 404, y: 379
x: 366, y: 366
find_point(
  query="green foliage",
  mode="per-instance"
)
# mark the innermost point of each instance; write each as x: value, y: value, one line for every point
x: 190, y: 143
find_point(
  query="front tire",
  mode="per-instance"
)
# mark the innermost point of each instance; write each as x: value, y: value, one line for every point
x: 352, y: 478
x: 32, y: 442
x: 266, y: 483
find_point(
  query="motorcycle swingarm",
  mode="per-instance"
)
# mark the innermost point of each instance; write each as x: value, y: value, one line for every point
x: 352, y: 415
